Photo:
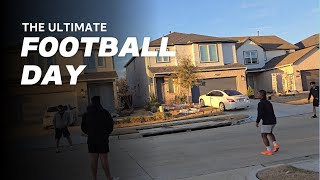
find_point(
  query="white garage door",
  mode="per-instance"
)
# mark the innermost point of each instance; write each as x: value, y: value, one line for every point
x: 34, y: 106
x: 105, y: 91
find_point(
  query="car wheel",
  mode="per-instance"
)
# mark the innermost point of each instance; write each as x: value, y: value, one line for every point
x: 202, y: 103
x: 222, y: 107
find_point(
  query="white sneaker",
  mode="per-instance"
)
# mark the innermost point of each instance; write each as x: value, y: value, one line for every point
x: 115, y: 178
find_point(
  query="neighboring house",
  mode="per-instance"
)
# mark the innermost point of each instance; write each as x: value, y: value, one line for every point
x: 214, y: 58
x: 256, y: 51
x: 293, y: 71
x: 99, y: 78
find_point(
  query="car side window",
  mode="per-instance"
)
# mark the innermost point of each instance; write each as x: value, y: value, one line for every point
x: 210, y: 94
x: 219, y: 94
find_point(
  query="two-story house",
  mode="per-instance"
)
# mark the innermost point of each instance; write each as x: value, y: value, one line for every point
x: 99, y: 78
x: 215, y: 60
x: 255, y: 52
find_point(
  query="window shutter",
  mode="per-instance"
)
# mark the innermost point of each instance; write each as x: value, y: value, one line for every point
x: 171, y: 89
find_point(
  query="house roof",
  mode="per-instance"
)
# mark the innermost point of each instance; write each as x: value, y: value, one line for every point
x: 172, y: 69
x: 287, y: 58
x: 266, y: 42
x: 309, y: 41
x: 177, y: 38
x: 94, y: 76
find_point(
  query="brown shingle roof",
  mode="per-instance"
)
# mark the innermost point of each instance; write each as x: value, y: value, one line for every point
x: 171, y: 69
x: 309, y: 41
x: 287, y: 58
x: 266, y: 42
x: 183, y: 38
x: 94, y: 76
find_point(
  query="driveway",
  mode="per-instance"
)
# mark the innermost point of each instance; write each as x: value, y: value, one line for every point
x: 281, y: 109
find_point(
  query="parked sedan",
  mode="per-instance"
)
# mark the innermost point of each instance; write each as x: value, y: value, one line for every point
x: 225, y: 100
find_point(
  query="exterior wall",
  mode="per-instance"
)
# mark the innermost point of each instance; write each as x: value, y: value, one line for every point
x: 309, y: 62
x: 251, y: 46
x: 108, y: 63
x: 229, y: 53
x: 272, y: 54
x: 138, y: 81
x: 264, y: 79
x: 153, y: 60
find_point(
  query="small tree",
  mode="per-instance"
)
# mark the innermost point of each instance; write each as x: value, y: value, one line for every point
x: 122, y: 86
x: 186, y: 73
x: 250, y: 92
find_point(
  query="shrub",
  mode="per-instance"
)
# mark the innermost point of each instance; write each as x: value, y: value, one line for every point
x: 126, y: 120
x: 152, y: 103
x: 158, y: 116
x: 181, y: 99
x: 250, y: 92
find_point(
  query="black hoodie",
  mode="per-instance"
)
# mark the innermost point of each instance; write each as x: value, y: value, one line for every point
x: 266, y: 113
x: 97, y: 123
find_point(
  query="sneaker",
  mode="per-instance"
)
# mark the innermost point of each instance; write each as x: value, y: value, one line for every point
x: 266, y: 152
x: 314, y: 116
x: 115, y: 178
x: 276, y: 148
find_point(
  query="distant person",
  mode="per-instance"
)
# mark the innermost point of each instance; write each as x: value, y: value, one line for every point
x: 269, y: 121
x: 314, y: 91
x: 97, y: 123
x: 61, y: 121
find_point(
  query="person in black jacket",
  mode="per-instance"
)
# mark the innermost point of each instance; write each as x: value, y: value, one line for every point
x: 97, y: 123
x: 314, y: 91
x: 269, y: 121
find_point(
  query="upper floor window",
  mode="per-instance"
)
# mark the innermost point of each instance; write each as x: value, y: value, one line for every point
x: 90, y: 61
x: 250, y: 57
x: 162, y: 59
x: 208, y: 53
x: 101, y: 61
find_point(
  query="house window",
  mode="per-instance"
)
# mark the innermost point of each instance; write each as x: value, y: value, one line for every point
x: 171, y: 88
x: 250, y: 57
x: 162, y: 59
x: 101, y: 61
x: 208, y: 53
x: 90, y: 61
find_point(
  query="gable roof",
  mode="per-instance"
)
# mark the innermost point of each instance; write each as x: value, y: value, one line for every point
x: 309, y: 41
x: 266, y: 42
x: 287, y: 58
x: 177, y: 38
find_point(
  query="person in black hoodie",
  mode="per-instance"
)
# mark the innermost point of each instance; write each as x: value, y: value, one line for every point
x: 269, y: 121
x: 314, y: 91
x: 97, y: 123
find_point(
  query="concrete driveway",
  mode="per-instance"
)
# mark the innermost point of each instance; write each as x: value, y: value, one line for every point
x: 281, y: 109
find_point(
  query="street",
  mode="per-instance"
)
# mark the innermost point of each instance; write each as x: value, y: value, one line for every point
x: 175, y: 156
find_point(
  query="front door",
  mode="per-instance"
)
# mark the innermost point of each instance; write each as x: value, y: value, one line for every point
x: 159, y: 82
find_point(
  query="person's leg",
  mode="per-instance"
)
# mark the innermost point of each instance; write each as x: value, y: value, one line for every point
x: 66, y: 134
x: 58, y: 135
x: 314, y: 111
x: 105, y: 165
x: 265, y: 139
x: 94, y: 165
x: 57, y: 145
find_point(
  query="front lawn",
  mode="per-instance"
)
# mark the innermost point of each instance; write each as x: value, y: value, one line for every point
x: 297, y: 99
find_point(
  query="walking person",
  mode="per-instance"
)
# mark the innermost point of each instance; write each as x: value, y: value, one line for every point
x: 60, y: 122
x: 97, y: 123
x: 269, y: 121
x: 314, y: 91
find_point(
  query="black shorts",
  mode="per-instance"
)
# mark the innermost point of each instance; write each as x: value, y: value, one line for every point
x: 98, y: 148
x: 316, y: 102
x: 60, y: 131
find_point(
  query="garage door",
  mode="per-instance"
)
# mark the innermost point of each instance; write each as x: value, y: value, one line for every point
x: 34, y: 106
x: 105, y: 91
x: 309, y: 76
x: 208, y: 85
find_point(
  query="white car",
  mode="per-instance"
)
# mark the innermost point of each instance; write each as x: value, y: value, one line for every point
x: 47, y: 121
x: 225, y: 100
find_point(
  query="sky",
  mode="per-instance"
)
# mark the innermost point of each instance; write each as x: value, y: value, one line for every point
x: 292, y: 20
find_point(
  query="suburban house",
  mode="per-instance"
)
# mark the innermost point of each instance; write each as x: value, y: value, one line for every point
x: 99, y: 78
x: 255, y: 52
x: 215, y: 60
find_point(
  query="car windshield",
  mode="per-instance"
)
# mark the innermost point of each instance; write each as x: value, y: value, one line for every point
x: 232, y: 92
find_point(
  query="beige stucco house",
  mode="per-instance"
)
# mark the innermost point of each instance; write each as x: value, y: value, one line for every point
x: 277, y: 65
x: 99, y: 78
x: 215, y: 60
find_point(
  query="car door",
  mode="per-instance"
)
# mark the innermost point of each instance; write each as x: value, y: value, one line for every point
x: 207, y: 99
x: 216, y: 99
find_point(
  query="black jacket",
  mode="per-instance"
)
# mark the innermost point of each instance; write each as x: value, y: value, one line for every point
x: 314, y: 92
x: 97, y: 123
x: 266, y: 113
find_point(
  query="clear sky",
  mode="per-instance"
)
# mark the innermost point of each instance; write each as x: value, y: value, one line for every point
x: 292, y: 20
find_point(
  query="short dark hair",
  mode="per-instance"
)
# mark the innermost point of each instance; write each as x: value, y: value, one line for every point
x: 312, y: 82
x: 263, y: 93
x: 95, y: 100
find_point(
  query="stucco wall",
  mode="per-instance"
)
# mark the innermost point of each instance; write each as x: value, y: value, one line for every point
x: 309, y: 62
x: 251, y: 46
x: 196, y: 55
x: 138, y: 81
x: 275, y: 53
